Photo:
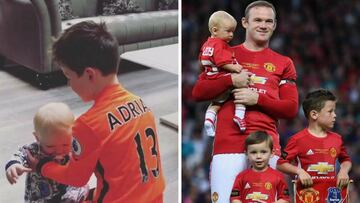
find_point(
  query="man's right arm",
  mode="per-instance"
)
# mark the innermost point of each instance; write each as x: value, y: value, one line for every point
x: 205, y: 89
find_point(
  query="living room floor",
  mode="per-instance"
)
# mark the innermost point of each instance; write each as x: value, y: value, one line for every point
x: 19, y: 101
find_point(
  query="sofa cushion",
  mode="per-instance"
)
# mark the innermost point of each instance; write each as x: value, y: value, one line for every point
x: 85, y: 8
x: 116, y: 7
x: 139, y: 27
x: 65, y: 10
x: 167, y: 4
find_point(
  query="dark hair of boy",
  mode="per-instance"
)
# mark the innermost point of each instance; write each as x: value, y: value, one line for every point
x: 258, y: 137
x: 87, y: 44
x: 316, y: 99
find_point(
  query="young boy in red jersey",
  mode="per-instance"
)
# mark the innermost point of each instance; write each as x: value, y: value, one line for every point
x: 217, y: 60
x: 260, y: 183
x: 116, y: 138
x: 316, y: 148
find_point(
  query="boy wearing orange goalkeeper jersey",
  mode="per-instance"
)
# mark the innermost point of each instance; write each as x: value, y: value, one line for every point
x: 116, y: 138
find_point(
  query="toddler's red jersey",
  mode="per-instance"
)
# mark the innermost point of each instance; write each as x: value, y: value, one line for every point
x: 215, y: 53
x: 117, y: 139
x: 267, y: 186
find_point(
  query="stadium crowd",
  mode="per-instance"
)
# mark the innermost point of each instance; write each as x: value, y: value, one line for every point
x: 323, y: 40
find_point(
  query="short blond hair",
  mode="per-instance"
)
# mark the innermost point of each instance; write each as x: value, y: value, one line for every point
x: 53, y: 116
x: 218, y: 17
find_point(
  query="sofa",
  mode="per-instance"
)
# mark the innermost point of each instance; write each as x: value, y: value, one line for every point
x: 28, y: 28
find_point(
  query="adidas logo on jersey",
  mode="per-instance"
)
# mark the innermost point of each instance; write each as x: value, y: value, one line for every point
x: 310, y: 152
x: 247, y: 186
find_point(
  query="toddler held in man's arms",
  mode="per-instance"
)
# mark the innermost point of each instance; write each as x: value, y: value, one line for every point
x: 53, y: 133
x: 217, y: 59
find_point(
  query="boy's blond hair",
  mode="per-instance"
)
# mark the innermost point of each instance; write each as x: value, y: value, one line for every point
x: 218, y: 17
x: 51, y: 117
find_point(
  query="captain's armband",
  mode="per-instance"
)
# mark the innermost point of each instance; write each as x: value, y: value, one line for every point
x: 286, y: 81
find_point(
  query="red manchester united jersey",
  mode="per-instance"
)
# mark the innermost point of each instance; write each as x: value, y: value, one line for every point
x: 317, y: 156
x: 213, y: 54
x: 117, y: 139
x: 273, y: 79
x: 267, y: 186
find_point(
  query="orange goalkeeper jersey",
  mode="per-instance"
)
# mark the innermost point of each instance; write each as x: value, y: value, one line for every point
x: 117, y: 140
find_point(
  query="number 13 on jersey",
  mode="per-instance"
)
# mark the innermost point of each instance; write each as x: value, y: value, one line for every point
x: 149, y: 158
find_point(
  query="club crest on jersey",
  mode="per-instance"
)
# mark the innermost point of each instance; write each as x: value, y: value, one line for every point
x: 257, y: 196
x: 76, y: 147
x: 269, y: 67
x: 334, y: 195
x: 332, y: 152
x: 215, y: 197
x: 309, y: 195
x: 321, y: 168
x: 268, y: 185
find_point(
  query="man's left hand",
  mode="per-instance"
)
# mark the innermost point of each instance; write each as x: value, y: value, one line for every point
x: 245, y: 96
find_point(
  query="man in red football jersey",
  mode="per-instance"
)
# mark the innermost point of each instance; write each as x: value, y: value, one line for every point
x: 271, y: 96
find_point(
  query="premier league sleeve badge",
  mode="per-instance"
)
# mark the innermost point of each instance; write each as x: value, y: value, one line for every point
x: 76, y: 147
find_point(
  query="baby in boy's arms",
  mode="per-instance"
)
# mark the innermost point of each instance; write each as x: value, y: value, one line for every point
x: 53, y: 123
